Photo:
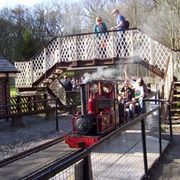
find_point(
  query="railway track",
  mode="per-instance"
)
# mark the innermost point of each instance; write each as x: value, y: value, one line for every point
x: 31, y: 151
x: 30, y: 163
x: 51, y: 165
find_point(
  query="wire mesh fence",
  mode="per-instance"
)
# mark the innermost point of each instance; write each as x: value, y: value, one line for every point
x: 127, y: 153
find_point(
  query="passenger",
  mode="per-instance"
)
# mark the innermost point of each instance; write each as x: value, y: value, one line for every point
x: 66, y: 82
x: 138, y: 86
x: 126, y: 100
x: 101, y: 37
x: 139, y: 93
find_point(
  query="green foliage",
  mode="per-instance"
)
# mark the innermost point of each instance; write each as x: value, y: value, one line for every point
x: 28, y: 46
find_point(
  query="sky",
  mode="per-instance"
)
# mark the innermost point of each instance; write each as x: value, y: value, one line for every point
x: 12, y: 3
x: 27, y: 3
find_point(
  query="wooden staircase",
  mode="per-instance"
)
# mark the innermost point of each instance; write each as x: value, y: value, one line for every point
x: 175, y: 102
x: 50, y: 75
x: 42, y: 85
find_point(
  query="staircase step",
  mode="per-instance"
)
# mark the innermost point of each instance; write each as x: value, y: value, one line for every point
x: 175, y: 117
x: 177, y: 82
x: 52, y: 76
x: 58, y: 71
x: 176, y: 95
x: 175, y: 109
x: 47, y: 81
x: 176, y: 88
x: 175, y: 102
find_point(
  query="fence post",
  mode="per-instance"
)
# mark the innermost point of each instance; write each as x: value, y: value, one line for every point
x: 56, y: 111
x: 87, y: 168
x: 144, y: 147
x: 35, y: 103
x: 160, y: 139
x: 170, y: 122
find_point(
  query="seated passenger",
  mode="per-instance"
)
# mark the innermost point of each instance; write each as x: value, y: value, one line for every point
x: 139, y: 88
x: 139, y: 93
x: 126, y: 100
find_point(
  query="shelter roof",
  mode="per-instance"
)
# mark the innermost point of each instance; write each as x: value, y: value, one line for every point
x: 6, y: 66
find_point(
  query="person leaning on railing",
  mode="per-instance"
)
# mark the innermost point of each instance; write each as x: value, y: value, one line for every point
x: 100, y: 29
x: 121, y: 26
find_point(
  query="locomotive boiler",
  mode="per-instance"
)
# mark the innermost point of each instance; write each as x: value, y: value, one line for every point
x: 99, y: 114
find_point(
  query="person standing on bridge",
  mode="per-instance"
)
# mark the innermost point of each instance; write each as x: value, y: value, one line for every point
x: 121, y: 26
x: 100, y: 29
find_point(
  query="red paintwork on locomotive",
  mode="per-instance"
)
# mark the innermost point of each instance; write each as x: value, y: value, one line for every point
x: 74, y: 140
x: 105, y: 118
x: 92, y: 105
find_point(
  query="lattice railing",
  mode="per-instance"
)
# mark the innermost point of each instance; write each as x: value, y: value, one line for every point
x: 84, y: 47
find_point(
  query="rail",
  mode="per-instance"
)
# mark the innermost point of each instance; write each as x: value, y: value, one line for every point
x: 124, y: 153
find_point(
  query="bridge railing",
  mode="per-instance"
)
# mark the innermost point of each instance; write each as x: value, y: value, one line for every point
x: 131, y: 44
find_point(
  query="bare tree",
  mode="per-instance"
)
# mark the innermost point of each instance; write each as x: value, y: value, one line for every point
x: 159, y: 19
x: 170, y: 15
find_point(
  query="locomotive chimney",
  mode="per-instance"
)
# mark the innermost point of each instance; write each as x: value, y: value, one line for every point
x: 83, y: 99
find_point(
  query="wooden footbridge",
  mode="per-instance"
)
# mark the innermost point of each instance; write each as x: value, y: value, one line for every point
x: 42, y: 72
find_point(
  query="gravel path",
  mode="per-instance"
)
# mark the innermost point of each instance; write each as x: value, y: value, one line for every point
x: 37, y: 131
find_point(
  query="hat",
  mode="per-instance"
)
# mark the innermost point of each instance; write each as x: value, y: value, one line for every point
x: 114, y: 11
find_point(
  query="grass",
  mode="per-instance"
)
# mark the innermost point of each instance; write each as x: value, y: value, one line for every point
x: 12, y: 91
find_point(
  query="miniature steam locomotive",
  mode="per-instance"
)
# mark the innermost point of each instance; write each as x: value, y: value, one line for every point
x: 99, y: 114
